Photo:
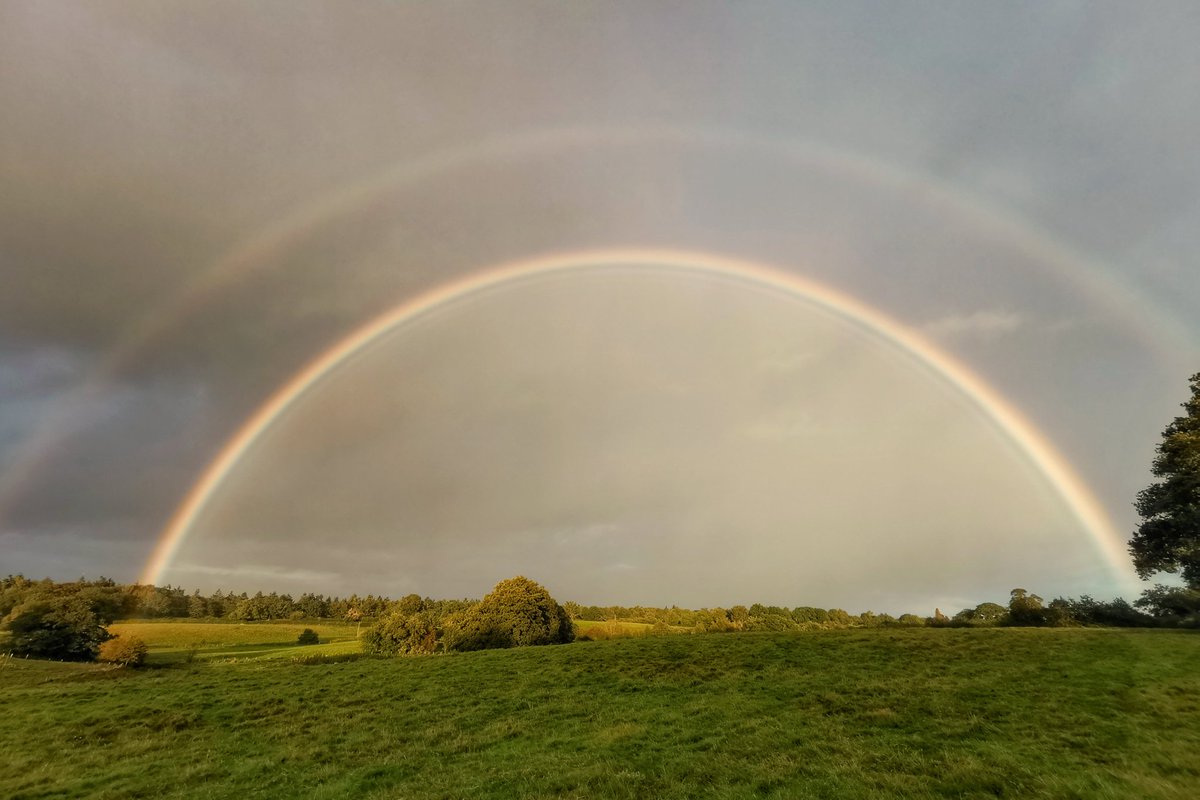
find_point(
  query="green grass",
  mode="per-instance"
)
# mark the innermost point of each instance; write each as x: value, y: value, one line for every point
x: 884, y: 713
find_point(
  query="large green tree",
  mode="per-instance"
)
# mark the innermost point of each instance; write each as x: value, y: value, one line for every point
x: 59, y: 628
x: 1168, y: 539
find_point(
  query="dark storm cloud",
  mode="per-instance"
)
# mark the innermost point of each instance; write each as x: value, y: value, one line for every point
x: 131, y: 451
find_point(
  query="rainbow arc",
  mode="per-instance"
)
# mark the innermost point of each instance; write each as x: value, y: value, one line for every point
x: 1019, y: 431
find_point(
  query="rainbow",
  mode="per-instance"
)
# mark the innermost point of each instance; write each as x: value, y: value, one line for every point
x: 1167, y: 339
x: 1034, y: 445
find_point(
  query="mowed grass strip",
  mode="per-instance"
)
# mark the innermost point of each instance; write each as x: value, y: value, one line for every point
x: 902, y: 713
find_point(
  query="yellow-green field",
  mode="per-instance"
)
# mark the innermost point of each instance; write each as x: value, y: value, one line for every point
x: 617, y: 629
x: 610, y: 630
x: 173, y: 641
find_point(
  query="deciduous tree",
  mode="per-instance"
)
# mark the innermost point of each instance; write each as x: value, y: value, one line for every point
x: 1168, y: 539
x: 1025, y: 608
x: 63, y: 629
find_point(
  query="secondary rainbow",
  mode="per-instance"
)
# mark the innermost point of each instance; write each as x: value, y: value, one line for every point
x: 1023, y: 434
x: 1167, y: 339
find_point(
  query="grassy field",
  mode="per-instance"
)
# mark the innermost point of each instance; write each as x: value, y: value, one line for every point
x: 612, y: 629
x: 173, y: 641
x: 582, y: 625
x: 881, y: 713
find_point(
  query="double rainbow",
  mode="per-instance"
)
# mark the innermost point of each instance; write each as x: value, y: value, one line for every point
x: 1022, y: 434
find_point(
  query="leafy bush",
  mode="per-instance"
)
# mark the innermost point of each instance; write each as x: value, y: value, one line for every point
x: 1117, y: 613
x: 128, y: 651
x: 713, y: 620
x: 308, y: 636
x: 803, y: 614
x: 1059, y: 614
x: 401, y: 633
x: 66, y: 630
x: 869, y: 619
x: 517, y: 613
x: 1172, y: 605
x: 982, y: 614
x: 771, y: 622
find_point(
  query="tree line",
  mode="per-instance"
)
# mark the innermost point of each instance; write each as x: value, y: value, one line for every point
x: 112, y: 601
x: 67, y: 620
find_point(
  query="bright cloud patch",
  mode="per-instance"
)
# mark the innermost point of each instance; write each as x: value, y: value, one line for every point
x: 982, y: 323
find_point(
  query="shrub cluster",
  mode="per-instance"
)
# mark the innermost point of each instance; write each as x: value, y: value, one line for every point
x: 407, y: 630
x: 128, y: 651
x: 517, y: 613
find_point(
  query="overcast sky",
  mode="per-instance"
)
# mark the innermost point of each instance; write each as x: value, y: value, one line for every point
x: 197, y: 199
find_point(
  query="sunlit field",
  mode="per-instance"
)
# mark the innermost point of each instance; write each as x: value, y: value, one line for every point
x: 903, y: 713
x: 172, y: 641
x: 613, y: 629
